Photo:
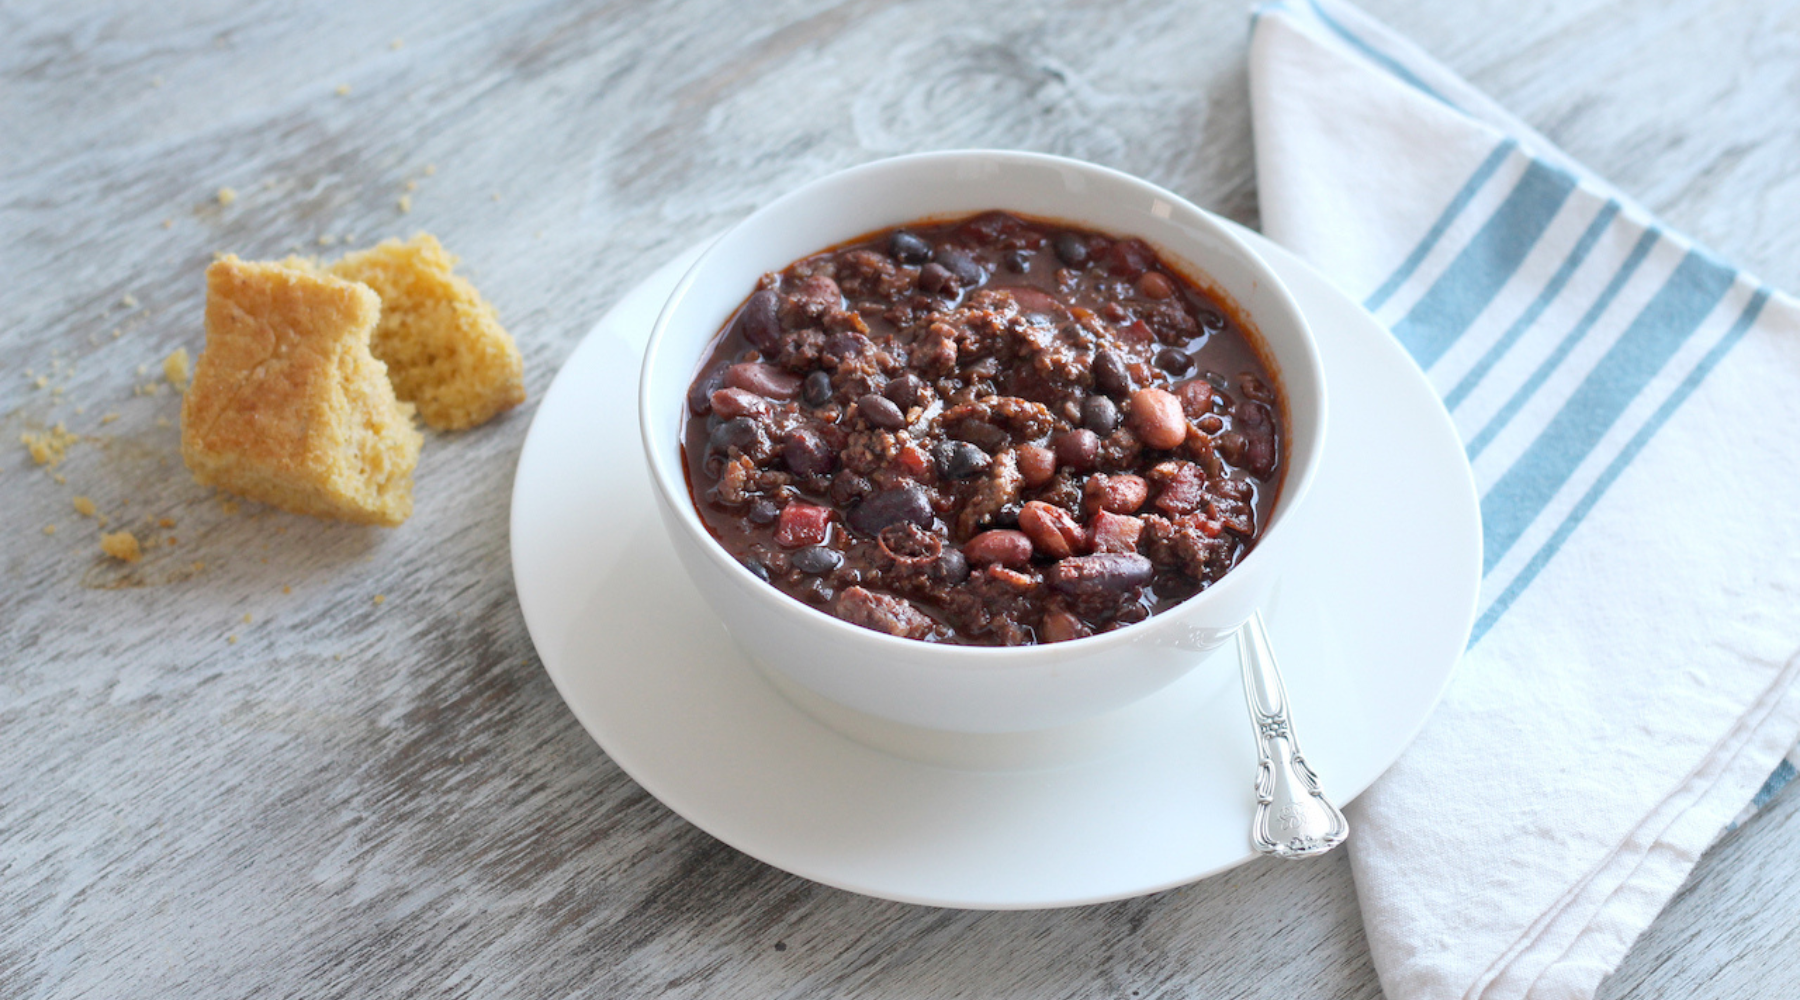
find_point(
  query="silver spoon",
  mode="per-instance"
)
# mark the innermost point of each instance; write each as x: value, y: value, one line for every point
x: 1293, y: 817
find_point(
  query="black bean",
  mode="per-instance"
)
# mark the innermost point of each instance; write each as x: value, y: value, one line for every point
x: 1174, y: 361
x: 934, y: 278
x: 699, y: 395
x: 953, y: 565
x: 1111, y: 376
x: 907, y: 248
x: 1102, y: 572
x: 907, y: 391
x: 807, y: 454
x: 1100, y: 415
x: 847, y: 486
x: 816, y: 389
x: 881, y: 412
x: 906, y: 502
x: 1071, y: 250
x: 759, y: 322
x: 742, y: 433
x: 1017, y: 261
x: 961, y: 460
x: 763, y: 511
x: 958, y: 262
x: 817, y: 559
x: 760, y: 571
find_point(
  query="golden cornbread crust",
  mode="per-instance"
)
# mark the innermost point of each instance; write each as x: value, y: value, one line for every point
x: 445, y: 349
x: 287, y: 405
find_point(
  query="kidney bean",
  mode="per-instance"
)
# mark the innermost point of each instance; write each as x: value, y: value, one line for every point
x: 908, y: 248
x: 934, y: 278
x: 1232, y: 445
x: 1196, y: 397
x: 699, y: 395
x: 1077, y: 450
x: 1100, y: 415
x: 1111, y: 376
x: 1061, y: 626
x: 1174, y: 361
x: 1210, y: 424
x: 1051, y: 529
x: 1156, y: 417
x: 760, y: 322
x: 729, y: 403
x: 1100, y: 573
x: 1154, y: 285
x: 1259, y: 456
x: 1071, y: 249
x: 817, y: 559
x: 880, y: 411
x: 1001, y: 546
x: 763, y: 379
x: 816, y: 390
x: 1249, y: 416
x: 1037, y: 464
x: 906, y: 502
x: 1120, y: 494
x: 1250, y: 385
x: 807, y: 454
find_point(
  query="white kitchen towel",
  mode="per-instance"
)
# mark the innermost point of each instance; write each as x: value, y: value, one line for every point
x: 1631, y: 409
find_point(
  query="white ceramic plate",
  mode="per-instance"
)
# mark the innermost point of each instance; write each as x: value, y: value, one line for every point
x: 1155, y: 795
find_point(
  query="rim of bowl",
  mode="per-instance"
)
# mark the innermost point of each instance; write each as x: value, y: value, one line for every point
x: 1293, y: 488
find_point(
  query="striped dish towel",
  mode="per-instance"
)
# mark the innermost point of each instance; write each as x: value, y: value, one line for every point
x: 1631, y: 410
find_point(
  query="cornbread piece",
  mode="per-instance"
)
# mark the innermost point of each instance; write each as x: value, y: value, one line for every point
x: 444, y: 346
x: 121, y: 545
x: 175, y: 369
x: 48, y: 447
x: 287, y: 405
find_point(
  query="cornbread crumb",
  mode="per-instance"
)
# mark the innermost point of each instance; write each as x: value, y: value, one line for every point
x: 327, y: 239
x: 168, y: 223
x: 49, y: 529
x: 287, y: 405
x: 85, y: 507
x: 412, y: 185
x: 231, y: 640
x: 226, y: 196
x: 109, y: 418
x: 198, y: 567
x: 121, y: 545
x: 129, y: 301
x: 343, y: 90
x: 166, y: 522
x: 396, y: 44
x: 405, y: 203
x: 48, y: 447
x: 443, y: 343
x: 229, y: 507
x: 286, y: 589
x: 175, y: 369
x: 380, y: 599
x: 42, y: 381
x: 247, y: 618
x: 430, y: 169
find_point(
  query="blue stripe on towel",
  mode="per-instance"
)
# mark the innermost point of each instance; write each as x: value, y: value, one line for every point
x: 1784, y: 773
x: 1438, y: 228
x: 1677, y: 310
x: 1745, y: 321
x: 1523, y: 394
x: 1484, y: 266
x: 1570, y: 265
x: 1380, y: 58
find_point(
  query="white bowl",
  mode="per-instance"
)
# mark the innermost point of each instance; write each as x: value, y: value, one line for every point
x: 972, y: 688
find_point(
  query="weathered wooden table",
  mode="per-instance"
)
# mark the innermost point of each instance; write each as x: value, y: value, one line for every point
x: 282, y: 757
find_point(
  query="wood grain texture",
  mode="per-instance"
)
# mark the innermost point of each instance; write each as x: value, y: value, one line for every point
x: 335, y: 797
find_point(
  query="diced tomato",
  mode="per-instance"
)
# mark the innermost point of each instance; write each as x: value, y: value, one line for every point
x: 802, y: 524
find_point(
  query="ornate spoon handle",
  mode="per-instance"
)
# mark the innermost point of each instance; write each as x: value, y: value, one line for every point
x: 1293, y: 817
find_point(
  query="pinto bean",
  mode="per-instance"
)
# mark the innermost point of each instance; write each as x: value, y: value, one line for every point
x: 1051, y: 529
x: 1156, y: 417
x: 1119, y: 494
x: 1037, y: 464
x: 1001, y: 546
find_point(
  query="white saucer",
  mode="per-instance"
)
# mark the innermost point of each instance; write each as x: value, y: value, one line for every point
x: 1153, y: 796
